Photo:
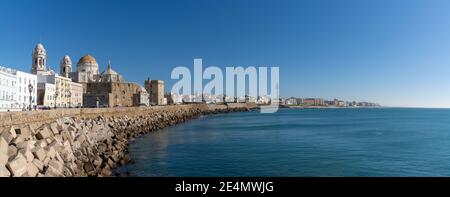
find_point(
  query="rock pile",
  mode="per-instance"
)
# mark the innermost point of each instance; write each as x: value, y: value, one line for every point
x: 80, y: 146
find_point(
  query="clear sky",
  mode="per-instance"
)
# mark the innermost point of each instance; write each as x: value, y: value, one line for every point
x: 394, y: 52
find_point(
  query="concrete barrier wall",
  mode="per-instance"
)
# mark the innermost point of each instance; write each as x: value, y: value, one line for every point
x: 8, y: 119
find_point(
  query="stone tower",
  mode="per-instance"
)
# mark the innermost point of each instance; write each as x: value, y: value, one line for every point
x: 147, y: 85
x: 39, y: 60
x: 155, y: 88
x: 65, y: 66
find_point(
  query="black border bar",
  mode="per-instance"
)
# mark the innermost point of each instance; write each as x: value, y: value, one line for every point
x: 163, y: 185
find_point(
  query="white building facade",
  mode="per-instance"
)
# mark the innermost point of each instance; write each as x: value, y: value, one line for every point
x: 25, y: 82
x: 8, y: 89
x: 15, y: 90
x: 76, y: 94
x: 46, y: 95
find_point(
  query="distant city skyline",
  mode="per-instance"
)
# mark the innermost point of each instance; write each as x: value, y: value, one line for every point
x: 395, y: 53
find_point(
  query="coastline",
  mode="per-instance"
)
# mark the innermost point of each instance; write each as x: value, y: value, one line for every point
x: 327, y: 107
x: 85, y: 142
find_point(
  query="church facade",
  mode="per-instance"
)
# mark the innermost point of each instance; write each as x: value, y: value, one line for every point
x: 84, y: 85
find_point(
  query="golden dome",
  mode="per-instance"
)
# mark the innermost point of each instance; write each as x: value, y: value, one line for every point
x: 87, y: 59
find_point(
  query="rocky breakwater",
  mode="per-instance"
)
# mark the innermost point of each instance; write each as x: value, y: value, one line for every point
x: 84, y: 142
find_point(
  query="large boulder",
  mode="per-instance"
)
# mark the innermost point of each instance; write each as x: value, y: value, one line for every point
x: 26, y: 132
x: 12, y: 151
x: 27, y: 145
x: 41, y: 143
x: 51, y: 152
x: 11, y: 131
x: 43, y: 133
x: 55, y: 128
x: 3, y: 151
x: 39, y: 165
x: 54, y: 169
x: 18, y: 139
x: 39, y: 153
x: 7, y: 136
x: 32, y: 170
x: 17, y: 166
x: 27, y: 154
x: 4, y: 172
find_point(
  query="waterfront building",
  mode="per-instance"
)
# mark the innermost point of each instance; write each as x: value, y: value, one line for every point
x: 313, y: 101
x: 62, y: 88
x: 8, y: 89
x: 291, y: 101
x: 156, y: 90
x: 188, y: 98
x: 340, y: 103
x: 170, y: 99
x: 241, y: 99
x: 110, y: 94
x: 336, y: 102
x: 46, y: 95
x: 142, y: 98
x: 15, y: 89
x: 220, y: 98
x: 263, y: 100
x: 26, y: 90
x: 76, y: 94
x: 62, y: 91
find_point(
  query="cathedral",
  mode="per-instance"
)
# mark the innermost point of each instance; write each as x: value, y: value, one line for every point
x: 88, y: 71
x: 85, y: 84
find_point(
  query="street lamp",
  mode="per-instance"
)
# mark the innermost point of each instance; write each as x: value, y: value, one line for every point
x: 56, y: 96
x: 69, y: 93
x: 30, y: 89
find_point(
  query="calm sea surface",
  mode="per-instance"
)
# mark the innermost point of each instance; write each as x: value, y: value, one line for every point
x: 300, y: 142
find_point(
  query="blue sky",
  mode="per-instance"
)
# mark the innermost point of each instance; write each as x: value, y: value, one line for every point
x: 395, y: 52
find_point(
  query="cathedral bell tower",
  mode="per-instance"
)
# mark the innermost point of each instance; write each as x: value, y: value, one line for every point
x: 65, y: 66
x: 39, y: 60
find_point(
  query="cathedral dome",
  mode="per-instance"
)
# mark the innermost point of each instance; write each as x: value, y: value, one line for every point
x: 109, y: 70
x: 109, y: 75
x: 87, y: 59
x: 88, y: 65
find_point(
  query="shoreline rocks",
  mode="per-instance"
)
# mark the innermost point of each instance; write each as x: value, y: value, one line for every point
x: 80, y: 146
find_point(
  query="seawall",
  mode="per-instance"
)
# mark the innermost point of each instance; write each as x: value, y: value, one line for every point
x: 84, y: 142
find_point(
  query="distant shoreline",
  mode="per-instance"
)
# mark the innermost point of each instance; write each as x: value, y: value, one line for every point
x: 361, y: 107
x: 328, y: 107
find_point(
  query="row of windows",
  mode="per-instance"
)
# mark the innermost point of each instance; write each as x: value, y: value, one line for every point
x: 8, y: 82
x: 4, y: 95
x: 25, y: 81
x: 26, y: 99
x: 26, y: 90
